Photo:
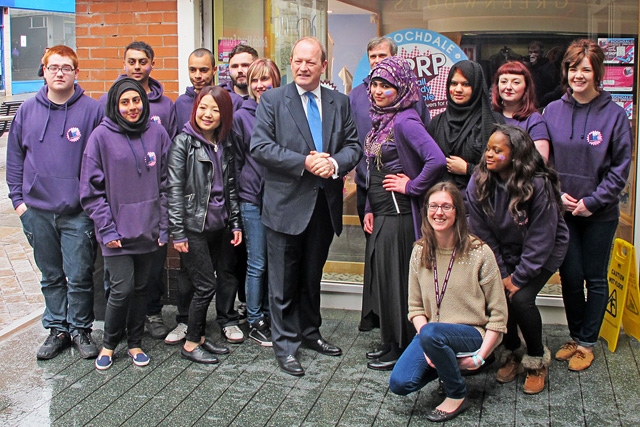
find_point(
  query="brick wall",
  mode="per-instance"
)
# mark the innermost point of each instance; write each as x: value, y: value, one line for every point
x: 104, y: 28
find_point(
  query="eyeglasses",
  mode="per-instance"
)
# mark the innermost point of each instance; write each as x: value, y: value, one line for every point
x: 66, y: 69
x: 445, y: 208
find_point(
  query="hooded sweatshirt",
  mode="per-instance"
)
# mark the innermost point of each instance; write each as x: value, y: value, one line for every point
x: 250, y: 174
x: 591, y: 151
x: 161, y: 107
x: 44, y: 150
x: 122, y: 187
x: 183, y: 106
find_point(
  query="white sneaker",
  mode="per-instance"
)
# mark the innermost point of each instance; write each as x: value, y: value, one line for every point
x: 233, y: 334
x: 177, y: 335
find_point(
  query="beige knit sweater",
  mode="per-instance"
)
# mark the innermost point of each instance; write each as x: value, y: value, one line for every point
x: 475, y: 295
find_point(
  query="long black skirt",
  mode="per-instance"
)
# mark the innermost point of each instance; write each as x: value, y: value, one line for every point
x: 386, y: 270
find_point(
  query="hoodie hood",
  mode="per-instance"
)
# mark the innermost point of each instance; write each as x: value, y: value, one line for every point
x: 41, y: 98
x: 250, y: 105
x: 155, y: 88
x: 189, y: 130
x: 596, y: 106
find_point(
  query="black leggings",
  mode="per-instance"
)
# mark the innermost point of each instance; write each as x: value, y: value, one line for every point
x: 524, y: 313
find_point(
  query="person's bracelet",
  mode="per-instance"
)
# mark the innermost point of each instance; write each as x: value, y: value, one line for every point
x: 477, y: 360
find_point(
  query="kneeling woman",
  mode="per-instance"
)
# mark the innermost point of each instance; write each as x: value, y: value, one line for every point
x: 122, y: 189
x: 203, y: 200
x: 515, y: 206
x: 456, y: 304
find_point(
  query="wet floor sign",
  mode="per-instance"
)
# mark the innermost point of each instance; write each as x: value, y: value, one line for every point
x: 623, y: 306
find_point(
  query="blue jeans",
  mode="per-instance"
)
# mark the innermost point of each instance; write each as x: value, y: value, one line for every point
x: 441, y: 342
x: 256, y: 282
x: 587, y: 260
x: 64, y: 248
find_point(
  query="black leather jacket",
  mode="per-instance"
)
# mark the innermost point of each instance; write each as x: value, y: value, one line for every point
x: 189, y: 185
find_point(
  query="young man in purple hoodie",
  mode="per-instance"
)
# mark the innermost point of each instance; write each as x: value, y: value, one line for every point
x: 240, y: 57
x: 43, y: 170
x: 138, y: 64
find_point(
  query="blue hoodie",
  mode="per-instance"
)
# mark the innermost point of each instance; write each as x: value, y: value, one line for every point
x: 183, y: 106
x: 122, y: 187
x: 591, y: 151
x: 249, y: 173
x: 44, y: 150
x: 161, y: 107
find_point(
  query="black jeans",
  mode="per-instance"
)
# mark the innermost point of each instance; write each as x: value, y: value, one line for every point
x: 524, y: 313
x: 155, y: 285
x: 126, y: 305
x: 185, y: 292
x: 201, y: 262
x: 228, y: 282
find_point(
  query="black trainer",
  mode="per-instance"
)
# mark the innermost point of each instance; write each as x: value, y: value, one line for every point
x: 242, y: 313
x: 261, y: 333
x: 83, y: 342
x: 54, y: 344
x: 156, y: 327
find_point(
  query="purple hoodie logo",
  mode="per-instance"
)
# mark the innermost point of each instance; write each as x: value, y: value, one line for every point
x: 594, y: 137
x: 156, y: 119
x: 74, y: 134
x: 151, y: 159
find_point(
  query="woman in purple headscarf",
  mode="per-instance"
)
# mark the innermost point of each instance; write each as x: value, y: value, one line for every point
x: 403, y: 162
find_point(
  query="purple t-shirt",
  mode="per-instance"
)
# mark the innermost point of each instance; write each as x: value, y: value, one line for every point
x: 535, y: 125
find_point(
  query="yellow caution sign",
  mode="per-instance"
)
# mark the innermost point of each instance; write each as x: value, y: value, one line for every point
x: 623, y: 305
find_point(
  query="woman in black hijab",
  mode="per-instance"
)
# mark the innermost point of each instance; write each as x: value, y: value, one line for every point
x: 122, y: 188
x: 463, y: 129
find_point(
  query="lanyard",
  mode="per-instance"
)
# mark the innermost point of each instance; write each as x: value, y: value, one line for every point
x: 440, y: 296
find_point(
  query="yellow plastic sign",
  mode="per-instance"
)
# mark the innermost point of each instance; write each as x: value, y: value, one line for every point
x: 623, y: 306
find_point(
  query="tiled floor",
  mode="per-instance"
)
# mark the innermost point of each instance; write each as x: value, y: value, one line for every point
x: 247, y: 388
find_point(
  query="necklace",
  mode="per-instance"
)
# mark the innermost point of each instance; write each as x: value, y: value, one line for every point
x: 436, y: 285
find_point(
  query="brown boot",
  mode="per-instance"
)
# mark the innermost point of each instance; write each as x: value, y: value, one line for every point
x: 510, y: 364
x: 536, y: 368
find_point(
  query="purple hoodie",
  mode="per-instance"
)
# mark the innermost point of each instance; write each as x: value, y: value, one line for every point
x: 591, y: 151
x: 526, y: 249
x: 250, y: 174
x: 161, y: 107
x: 360, y: 106
x: 183, y: 106
x: 122, y: 187
x: 235, y: 98
x: 44, y: 150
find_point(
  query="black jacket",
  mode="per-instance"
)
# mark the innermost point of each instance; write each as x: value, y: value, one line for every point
x: 189, y: 185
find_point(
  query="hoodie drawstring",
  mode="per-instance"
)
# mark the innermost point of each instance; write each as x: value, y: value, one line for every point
x: 573, y: 118
x: 134, y: 155
x: 146, y: 155
x: 46, y: 122
x: 586, y: 120
x: 64, y: 122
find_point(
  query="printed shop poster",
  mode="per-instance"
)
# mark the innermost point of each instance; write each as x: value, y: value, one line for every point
x: 618, y: 51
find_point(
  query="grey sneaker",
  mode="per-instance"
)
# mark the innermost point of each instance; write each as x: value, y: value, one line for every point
x: 242, y: 313
x: 233, y: 334
x: 83, y: 342
x: 54, y: 344
x: 177, y: 335
x: 156, y: 326
x: 261, y: 333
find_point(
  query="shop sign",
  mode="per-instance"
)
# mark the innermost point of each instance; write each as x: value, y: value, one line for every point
x: 431, y: 56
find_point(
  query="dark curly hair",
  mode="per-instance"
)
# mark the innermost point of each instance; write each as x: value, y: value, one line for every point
x: 527, y: 164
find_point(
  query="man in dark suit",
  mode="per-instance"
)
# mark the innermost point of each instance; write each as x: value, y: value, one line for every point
x: 305, y: 161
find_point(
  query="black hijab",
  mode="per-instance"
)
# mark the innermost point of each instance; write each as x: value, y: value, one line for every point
x: 451, y: 128
x: 113, y: 110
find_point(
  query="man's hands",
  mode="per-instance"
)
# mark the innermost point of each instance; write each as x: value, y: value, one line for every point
x: 319, y: 164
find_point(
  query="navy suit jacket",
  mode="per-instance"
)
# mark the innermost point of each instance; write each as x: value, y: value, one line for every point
x: 281, y: 140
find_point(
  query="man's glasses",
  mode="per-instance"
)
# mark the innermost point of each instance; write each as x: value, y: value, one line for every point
x: 66, y: 69
x: 445, y: 208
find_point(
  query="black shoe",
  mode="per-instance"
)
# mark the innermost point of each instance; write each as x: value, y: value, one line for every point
x: 290, y: 365
x: 261, y: 333
x: 323, y: 347
x: 198, y: 355
x: 365, y: 325
x: 156, y: 326
x: 83, y: 342
x: 242, y: 313
x: 438, y: 416
x: 379, y: 365
x: 213, y: 348
x: 54, y: 344
x: 378, y: 352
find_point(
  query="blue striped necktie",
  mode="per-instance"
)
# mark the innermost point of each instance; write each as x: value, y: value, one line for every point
x: 315, y: 123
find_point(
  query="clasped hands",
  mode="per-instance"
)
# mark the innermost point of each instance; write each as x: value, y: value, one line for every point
x: 576, y: 207
x: 318, y: 163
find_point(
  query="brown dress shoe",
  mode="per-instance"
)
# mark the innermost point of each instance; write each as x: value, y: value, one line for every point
x: 581, y: 360
x: 567, y: 351
x: 534, y: 383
